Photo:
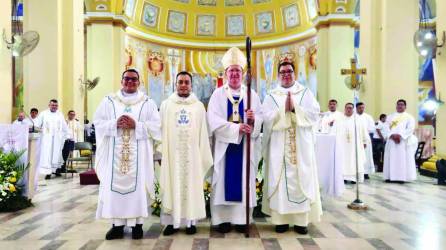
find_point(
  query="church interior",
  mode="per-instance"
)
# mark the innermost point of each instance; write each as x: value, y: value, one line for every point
x: 75, y: 52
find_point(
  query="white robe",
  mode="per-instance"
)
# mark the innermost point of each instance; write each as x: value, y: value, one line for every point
x: 123, y: 195
x: 399, y: 159
x: 25, y: 121
x: 367, y: 121
x: 291, y: 186
x: 76, y: 133
x: 345, y: 147
x: 225, y: 132
x: 54, y: 131
x: 186, y: 159
x: 327, y: 118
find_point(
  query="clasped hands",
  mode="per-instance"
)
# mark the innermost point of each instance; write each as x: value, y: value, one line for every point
x: 289, y: 105
x: 396, y: 138
x: 246, y: 128
x: 126, y: 122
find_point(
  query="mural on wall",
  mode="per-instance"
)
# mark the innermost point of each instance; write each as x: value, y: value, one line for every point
x: 234, y: 2
x: 235, y: 25
x: 176, y: 21
x: 264, y: 22
x: 207, y: 2
x: 205, y: 25
x: 129, y: 6
x: 182, y: 1
x: 312, y: 8
x: 291, y: 16
x: 150, y: 15
x: 260, y: 1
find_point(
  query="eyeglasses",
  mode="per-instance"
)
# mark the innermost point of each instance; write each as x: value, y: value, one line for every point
x: 288, y: 72
x: 128, y: 79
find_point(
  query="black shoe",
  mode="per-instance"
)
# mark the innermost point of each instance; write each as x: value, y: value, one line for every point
x: 240, y: 228
x: 300, y: 230
x: 366, y: 176
x: 115, y: 233
x: 353, y: 182
x: 387, y: 181
x: 400, y: 182
x: 191, y: 230
x: 58, y: 174
x: 282, y: 228
x: 224, y: 227
x: 169, y: 230
x: 47, y: 177
x: 137, y: 232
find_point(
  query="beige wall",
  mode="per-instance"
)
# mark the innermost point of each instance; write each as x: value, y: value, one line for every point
x: 5, y: 65
x: 441, y: 80
x: 388, y: 53
x: 335, y: 48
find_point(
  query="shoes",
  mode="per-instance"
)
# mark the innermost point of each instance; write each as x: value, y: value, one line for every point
x: 366, y: 176
x: 224, y: 227
x: 191, y: 230
x: 47, y: 177
x: 282, y: 228
x: 115, y: 233
x: 169, y: 230
x: 240, y: 228
x: 300, y: 230
x: 137, y: 232
x: 387, y: 181
x: 58, y: 174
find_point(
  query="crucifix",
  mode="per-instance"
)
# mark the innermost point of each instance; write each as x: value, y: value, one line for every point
x: 354, y: 73
x: 354, y: 85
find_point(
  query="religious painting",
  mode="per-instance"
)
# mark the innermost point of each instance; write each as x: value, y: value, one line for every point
x: 260, y: 1
x: 205, y: 25
x: 235, y: 25
x: 291, y: 16
x: 150, y: 15
x: 155, y: 63
x: 234, y: 2
x: 129, y: 7
x: 182, y: 1
x: 176, y: 21
x: 264, y: 22
x: 207, y: 2
x: 312, y: 9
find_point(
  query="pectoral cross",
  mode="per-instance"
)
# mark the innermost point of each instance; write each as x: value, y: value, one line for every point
x: 354, y: 73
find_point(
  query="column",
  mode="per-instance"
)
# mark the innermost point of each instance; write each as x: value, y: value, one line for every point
x: 5, y: 65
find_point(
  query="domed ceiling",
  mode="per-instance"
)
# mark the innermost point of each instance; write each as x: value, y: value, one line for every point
x: 211, y: 24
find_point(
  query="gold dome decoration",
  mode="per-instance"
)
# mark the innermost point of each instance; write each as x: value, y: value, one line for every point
x: 214, y: 24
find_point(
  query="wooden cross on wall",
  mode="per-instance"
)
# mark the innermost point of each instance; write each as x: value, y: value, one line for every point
x: 354, y: 73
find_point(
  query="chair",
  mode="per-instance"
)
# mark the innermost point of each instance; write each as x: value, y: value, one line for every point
x: 419, y: 154
x: 82, y: 147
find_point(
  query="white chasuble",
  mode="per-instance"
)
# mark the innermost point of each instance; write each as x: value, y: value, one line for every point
x: 54, y: 131
x: 291, y: 187
x: 225, y: 132
x: 399, y: 159
x: 186, y: 159
x: 345, y: 146
x: 124, y: 157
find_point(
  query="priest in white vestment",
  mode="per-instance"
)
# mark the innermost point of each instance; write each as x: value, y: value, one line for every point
x: 127, y: 126
x: 186, y: 156
x: 228, y: 124
x: 346, y: 154
x: 54, y: 131
x: 369, y: 123
x: 401, y: 145
x: 75, y: 134
x: 23, y: 120
x: 291, y: 188
x: 329, y: 118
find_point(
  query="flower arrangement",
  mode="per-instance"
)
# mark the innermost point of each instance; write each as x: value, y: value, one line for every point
x: 156, y: 205
x: 11, y: 172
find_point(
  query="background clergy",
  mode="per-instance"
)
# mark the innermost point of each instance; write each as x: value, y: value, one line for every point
x: 329, y: 118
x: 399, y: 160
x: 291, y: 188
x: 227, y: 118
x: 127, y: 126
x: 345, y: 144
x: 186, y: 158
x: 369, y: 124
x: 54, y: 131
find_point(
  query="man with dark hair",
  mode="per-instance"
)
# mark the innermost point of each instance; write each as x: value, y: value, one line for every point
x: 54, y: 131
x: 74, y: 135
x: 186, y: 158
x: 127, y: 126
x: 401, y: 145
x: 369, y: 124
x: 291, y: 190
x: 379, y: 141
x: 329, y: 118
x: 345, y: 144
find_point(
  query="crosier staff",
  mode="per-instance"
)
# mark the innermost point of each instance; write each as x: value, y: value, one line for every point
x: 248, y: 135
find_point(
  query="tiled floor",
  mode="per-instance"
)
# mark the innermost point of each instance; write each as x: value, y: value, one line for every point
x: 410, y: 216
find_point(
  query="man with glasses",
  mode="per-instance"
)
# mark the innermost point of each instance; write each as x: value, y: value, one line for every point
x: 127, y: 126
x: 186, y: 158
x: 291, y: 189
x: 228, y: 123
